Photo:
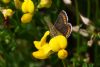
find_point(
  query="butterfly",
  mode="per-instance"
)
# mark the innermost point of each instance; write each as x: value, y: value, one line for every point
x: 61, y: 26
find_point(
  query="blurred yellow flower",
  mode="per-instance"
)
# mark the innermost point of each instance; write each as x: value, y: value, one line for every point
x: 7, y: 12
x: 58, y: 42
x: 18, y: 4
x: 44, y: 3
x: 6, y: 1
x: 62, y: 54
x: 26, y: 18
x: 27, y: 6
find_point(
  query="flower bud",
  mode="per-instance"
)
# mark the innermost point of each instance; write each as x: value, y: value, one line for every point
x: 27, y: 6
x: 62, y: 54
x: 45, y: 3
x: 26, y: 18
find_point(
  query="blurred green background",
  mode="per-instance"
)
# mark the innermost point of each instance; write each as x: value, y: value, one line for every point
x: 16, y: 41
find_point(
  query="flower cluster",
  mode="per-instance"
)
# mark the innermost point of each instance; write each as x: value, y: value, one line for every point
x: 28, y: 8
x: 56, y: 44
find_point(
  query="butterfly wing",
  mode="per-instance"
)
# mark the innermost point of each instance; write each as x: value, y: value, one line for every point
x: 62, y: 24
x: 53, y: 31
x: 68, y: 30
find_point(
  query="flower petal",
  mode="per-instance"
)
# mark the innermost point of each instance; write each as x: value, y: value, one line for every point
x: 62, y: 41
x: 43, y: 53
x: 43, y: 39
x: 39, y: 54
x: 26, y: 18
x: 37, y: 44
x: 57, y: 43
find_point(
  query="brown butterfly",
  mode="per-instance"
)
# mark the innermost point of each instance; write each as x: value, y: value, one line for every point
x: 61, y: 26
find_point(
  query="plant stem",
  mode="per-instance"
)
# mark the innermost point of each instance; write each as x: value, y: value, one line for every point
x: 77, y: 21
x: 63, y: 63
x: 95, y: 55
x: 97, y: 8
x: 88, y: 8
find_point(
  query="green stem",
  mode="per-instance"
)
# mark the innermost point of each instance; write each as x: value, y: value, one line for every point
x: 88, y: 8
x: 77, y: 21
x: 63, y: 63
x: 95, y: 54
x: 96, y: 17
x: 77, y: 12
x: 97, y: 8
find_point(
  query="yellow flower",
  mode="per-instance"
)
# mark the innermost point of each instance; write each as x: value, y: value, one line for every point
x: 7, y: 12
x: 45, y: 3
x: 62, y: 54
x: 26, y: 18
x: 6, y: 1
x: 27, y: 6
x: 58, y: 42
x: 43, y: 48
x: 18, y: 4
